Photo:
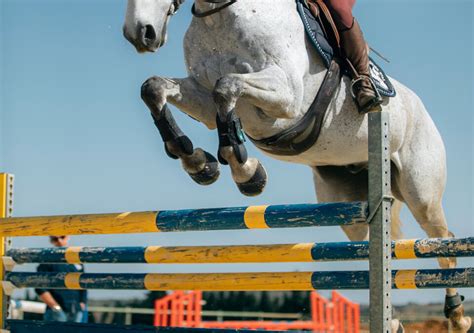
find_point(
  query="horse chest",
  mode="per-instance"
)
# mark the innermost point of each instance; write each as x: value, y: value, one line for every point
x: 207, y: 70
x: 239, y: 49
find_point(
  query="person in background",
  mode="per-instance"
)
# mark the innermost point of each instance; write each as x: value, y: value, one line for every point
x: 63, y: 304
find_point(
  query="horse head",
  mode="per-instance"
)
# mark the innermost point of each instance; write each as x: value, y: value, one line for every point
x: 146, y: 22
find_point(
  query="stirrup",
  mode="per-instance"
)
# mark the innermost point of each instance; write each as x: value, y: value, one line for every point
x: 376, y: 101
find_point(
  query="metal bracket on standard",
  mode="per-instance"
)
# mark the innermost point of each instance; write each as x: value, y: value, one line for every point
x: 379, y: 229
x: 6, y: 210
x: 8, y: 263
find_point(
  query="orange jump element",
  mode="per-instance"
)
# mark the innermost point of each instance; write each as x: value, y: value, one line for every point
x: 184, y: 309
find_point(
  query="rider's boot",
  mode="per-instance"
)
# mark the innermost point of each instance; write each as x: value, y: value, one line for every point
x: 363, y: 88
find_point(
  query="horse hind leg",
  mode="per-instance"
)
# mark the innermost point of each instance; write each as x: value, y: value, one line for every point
x: 423, y: 196
x: 396, y: 224
x: 432, y: 220
x: 201, y: 166
x: 434, y: 224
x: 340, y: 184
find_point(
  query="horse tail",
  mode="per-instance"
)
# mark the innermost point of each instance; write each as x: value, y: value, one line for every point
x: 396, y: 222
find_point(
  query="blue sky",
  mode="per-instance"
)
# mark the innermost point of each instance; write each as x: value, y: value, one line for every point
x: 79, y: 140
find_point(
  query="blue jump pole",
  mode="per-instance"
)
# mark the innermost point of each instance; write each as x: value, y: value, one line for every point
x: 304, y: 252
x: 234, y: 218
x: 402, y: 279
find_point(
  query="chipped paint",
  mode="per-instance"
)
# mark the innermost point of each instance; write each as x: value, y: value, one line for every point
x: 421, y: 279
x: 303, y: 252
x: 79, y: 224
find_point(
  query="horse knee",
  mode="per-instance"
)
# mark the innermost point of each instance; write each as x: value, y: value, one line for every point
x: 227, y: 90
x: 152, y: 94
x: 155, y: 90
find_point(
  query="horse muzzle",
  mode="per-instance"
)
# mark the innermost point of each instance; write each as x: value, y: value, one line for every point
x: 145, y: 39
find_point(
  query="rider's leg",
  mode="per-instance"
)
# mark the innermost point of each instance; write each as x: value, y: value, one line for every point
x: 355, y: 49
x: 341, y: 10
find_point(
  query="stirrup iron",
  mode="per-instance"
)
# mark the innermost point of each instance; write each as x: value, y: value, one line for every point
x: 375, y: 102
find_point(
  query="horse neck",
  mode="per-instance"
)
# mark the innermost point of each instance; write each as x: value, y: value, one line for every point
x: 204, y: 5
x: 243, y: 8
x: 214, y: 20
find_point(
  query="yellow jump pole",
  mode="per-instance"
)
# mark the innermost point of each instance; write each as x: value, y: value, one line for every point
x: 6, y: 207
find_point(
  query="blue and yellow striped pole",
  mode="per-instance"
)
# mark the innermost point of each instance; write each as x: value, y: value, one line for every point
x: 253, y: 217
x: 302, y: 252
x: 402, y: 279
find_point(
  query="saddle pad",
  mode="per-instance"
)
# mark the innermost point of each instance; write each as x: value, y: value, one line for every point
x: 316, y: 36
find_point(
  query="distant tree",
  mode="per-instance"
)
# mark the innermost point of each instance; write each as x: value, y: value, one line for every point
x: 265, y: 305
x: 150, y: 298
x: 211, y: 301
x: 252, y: 302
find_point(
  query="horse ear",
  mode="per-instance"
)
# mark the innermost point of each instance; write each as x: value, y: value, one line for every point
x: 177, y: 4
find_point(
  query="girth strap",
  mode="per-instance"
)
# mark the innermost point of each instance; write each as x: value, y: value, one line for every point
x: 304, y: 134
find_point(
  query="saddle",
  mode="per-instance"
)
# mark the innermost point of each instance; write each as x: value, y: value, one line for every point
x: 320, y: 12
x: 324, y: 36
x: 322, y: 32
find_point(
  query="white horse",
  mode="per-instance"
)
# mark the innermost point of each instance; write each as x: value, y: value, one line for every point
x: 253, y: 57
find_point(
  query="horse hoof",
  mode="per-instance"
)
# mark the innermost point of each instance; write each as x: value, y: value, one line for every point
x: 458, y: 322
x: 255, y: 185
x: 209, y: 174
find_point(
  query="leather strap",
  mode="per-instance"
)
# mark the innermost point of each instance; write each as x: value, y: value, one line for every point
x: 328, y: 17
x: 212, y: 11
x: 304, y: 134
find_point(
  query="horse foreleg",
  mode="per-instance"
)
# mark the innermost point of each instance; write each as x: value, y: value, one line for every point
x: 187, y: 95
x: 267, y: 90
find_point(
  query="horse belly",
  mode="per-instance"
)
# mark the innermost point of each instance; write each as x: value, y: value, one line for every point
x: 343, y: 151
